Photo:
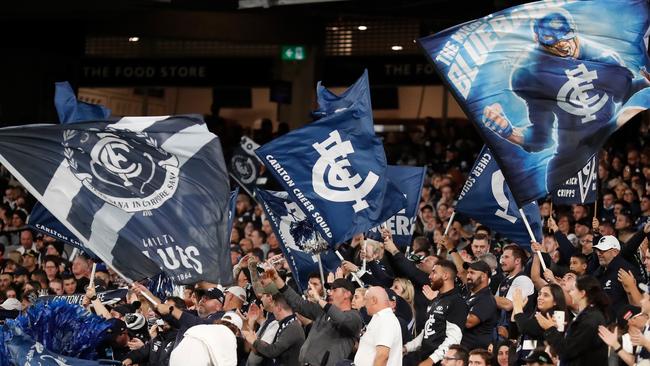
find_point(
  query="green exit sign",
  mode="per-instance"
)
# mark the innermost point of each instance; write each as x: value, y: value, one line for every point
x: 293, y: 53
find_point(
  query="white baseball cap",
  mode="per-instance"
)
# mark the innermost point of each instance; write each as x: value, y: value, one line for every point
x: 237, y: 291
x: 12, y: 304
x: 608, y: 242
x: 234, y: 319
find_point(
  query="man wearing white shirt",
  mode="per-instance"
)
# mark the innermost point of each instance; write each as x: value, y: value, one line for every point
x: 381, y: 344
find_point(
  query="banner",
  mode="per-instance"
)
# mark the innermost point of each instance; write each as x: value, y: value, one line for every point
x: 245, y: 166
x: 27, y: 352
x: 486, y: 198
x: 295, y: 233
x: 545, y: 84
x: 581, y: 188
x: 334, y: 169
x: 106, y: 297
x: 145, y: 194
x: 410, y: 181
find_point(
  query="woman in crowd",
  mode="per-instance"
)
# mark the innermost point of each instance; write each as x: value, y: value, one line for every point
x: 579, y: 344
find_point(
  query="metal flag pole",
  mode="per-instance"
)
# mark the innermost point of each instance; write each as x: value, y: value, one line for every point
x: 365, y: 253
x: 322, y: 274
x: 532, y: 237
x: 92, y: 276
x: 451, y: 220
x: 354, y: 275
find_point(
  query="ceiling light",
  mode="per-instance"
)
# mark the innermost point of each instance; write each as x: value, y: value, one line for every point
x: 362, y: 27
x: 134, y: 39
x: 396, y: 48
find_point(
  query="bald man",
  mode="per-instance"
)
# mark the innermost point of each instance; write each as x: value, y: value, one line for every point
x: 381, y: 344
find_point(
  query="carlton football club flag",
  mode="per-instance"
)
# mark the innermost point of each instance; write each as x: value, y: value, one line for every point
x: 145, y: 194
x: 334, y: 168
x: 245, y: 166
x: 486, y: 198
x: 546, y: 83
x: 296, y: 234
x: 581, y: 188
x: 410, y: 180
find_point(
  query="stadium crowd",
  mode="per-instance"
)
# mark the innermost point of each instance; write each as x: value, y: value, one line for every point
x: 471, y: 297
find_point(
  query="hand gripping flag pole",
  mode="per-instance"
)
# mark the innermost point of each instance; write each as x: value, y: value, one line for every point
x: 532, y: 237
x: 451, y: 220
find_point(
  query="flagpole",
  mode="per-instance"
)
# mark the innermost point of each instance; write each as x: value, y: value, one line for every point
x: 92, y: 276
x: 451, y: 220
x: 354, y: 275
x: 130, y: 282
x: 322, y: 275
x: 365, y: 253
x: 532, y: 237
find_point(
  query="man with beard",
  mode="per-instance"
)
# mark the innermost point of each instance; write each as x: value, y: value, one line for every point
x: 513, y: 260
x: 482, y: 317
x: 447, y: 315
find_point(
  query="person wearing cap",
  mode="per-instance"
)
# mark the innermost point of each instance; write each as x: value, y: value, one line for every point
x: 608, y: 250
x: 403, y: 312
x: 538, y: 358
x: 381, y: 344
x: 482, y: 313
x: 447, y: 315
x: 10, y: 309
x: 157, y: 350
x: 30, y: 259
x: 235, y: 298
x: 210, y: 309
x: 115, y: 344
x: 335, y: 325
x: 284, y: 348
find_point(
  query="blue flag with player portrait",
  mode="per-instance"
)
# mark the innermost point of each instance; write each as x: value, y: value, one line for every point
x: 147, y: 195
x: 295, y: 233
x: 581, y: 188
x: 410, y: 180
x: 486, y: 198
x: 334, y: 169
x: 545, y: 84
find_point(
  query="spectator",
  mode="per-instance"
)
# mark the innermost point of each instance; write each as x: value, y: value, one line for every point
x: 285, y: 347
x: 512, y: 262
x: 580, y: 344
x: 381, y: 344
x: 447, y: 316
x: 479, y: 357
x: 335, y: 324
x: 69, y: 284
x: 482, y: 315
x: 455, y: 356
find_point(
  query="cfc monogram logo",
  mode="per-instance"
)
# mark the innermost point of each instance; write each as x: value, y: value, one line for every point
x: 574, y: 98
x: 331, y: 178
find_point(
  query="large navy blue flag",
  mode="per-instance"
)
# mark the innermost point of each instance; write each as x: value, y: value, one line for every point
x: 486, y: 198
x: 334, y: 168
x: 145, y: 194
x: 581, y: 188
x: 70, y: 111
x: 545, y: 84
x: 410, y: 180
x: 295, y: 232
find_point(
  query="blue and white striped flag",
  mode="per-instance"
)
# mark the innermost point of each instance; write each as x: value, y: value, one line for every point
x: 145, y: 194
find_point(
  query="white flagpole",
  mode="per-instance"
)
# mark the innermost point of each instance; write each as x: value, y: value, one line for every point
x: 532, y: 237
x: 322, y: 275
x: 451, y: 221
x: 354, y: 275
x: 92, y: 276
x: 365, y: 253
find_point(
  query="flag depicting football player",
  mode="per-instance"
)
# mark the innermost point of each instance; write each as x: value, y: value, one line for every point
x: 546, y: 85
